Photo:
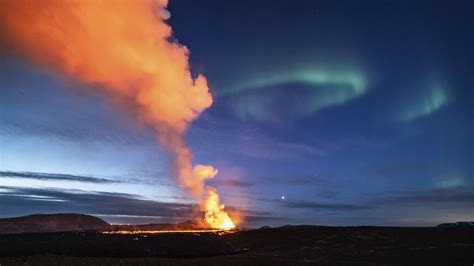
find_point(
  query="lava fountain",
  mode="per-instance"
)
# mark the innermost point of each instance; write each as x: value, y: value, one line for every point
x: 215, y: 214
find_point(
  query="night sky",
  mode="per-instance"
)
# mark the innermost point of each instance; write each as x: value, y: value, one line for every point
x: 325, y: 112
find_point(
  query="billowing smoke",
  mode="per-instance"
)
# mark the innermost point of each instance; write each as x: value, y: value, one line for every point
x: 126, y: 50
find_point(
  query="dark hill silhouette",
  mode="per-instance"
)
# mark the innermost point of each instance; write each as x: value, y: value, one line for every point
x: 457, y: 225
x: 60, y: 222
x: 63, y: 222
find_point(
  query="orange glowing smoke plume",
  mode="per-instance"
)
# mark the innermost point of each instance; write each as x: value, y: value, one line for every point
x: 127, y: 49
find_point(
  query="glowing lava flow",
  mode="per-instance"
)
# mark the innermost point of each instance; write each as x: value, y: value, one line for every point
x: 136, y: 232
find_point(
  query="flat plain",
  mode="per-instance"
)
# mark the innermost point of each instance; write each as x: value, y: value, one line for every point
x: 288, y: 245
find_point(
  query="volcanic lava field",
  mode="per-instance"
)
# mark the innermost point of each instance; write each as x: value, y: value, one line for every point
x: 288, y: 245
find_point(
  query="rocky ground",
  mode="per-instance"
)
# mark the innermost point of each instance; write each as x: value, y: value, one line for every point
x: 291, y: 245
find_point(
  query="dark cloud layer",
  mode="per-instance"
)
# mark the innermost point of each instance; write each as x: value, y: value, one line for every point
x: 121, y: 207
x: 302, y: 204
x: 232, y: 183
x: 402, y: 167
x: 16, y: 201
x: 116, y: 207
x: 56, y: 177
x: 458, y: 196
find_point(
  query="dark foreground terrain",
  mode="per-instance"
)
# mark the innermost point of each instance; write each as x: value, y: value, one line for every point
x: 291, y: 245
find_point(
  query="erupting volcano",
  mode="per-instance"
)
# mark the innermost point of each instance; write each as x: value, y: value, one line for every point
x: 126, y: 51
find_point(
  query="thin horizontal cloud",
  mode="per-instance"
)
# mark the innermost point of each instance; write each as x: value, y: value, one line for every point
x: 246, y: 140
x: 404, y: 167
x: 74, y: 132
x: 319, y: 183
x: 59, y: 177
x: 291, y: 180
x: 259, y: 219
x: 232, y: 183
x: 302, y: 204
x: 457, y: 196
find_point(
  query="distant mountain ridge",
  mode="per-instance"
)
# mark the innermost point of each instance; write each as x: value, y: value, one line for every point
x: 59, y: 222
x: 457, y: 225
x: 64, y: 222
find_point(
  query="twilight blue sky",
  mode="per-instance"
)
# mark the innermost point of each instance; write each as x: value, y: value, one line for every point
x: 358, y: 113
